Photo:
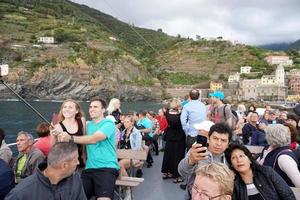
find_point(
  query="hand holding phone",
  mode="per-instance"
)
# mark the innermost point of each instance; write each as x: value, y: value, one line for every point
x: 197, y: 151
x: 55, y: 119
x: 202, y: 140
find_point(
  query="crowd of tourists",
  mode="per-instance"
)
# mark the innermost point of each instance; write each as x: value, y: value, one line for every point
x: 76, y: 159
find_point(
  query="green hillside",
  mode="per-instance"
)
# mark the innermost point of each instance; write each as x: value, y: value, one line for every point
x: 83, y: 39
x: 295, y: 45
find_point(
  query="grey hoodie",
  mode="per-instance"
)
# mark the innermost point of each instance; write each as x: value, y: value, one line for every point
x: 189, y: 172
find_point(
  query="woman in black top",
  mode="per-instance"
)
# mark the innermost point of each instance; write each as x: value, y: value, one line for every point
x: 175, y: 143
x: 253, y: 181
x: 72, y: 121
x: 114, y: 109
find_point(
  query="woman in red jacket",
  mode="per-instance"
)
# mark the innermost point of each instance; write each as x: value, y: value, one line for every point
x: 163, y: 124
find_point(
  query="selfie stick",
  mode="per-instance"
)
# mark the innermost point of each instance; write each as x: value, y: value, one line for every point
x: 24, y: 101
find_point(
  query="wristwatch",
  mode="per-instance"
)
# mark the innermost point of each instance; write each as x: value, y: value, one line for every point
x: 72, y: 139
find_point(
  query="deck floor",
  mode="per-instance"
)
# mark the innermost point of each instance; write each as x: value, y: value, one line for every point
x: 154, y: 187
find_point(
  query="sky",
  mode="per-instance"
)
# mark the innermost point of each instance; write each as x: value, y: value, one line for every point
x: 252, y: 22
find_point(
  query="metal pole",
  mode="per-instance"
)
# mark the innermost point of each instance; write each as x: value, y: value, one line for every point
x: 24, y: 101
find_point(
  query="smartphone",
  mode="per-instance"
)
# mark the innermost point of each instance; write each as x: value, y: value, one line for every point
x: 202, y: 140
x: 55, y: 118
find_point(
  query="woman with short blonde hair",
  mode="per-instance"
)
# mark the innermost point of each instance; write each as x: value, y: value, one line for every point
x: 212, y: 181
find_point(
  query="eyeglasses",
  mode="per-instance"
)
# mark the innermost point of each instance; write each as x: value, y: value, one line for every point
x: 201, y: 195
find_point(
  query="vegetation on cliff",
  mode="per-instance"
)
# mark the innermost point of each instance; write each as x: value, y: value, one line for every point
x: 98, y: 50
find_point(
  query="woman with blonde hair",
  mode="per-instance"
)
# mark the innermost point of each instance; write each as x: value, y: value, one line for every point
x: 175, y: 143
x: 71, y: 121
x: 113, y: 109
x: 213, y: 181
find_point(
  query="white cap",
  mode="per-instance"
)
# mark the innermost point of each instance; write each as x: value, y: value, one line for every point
x: 205, y: 125
x: 110, y: 117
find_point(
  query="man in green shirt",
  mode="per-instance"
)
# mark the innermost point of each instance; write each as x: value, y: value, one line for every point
x: 102, y: 166
x: 29, y: 157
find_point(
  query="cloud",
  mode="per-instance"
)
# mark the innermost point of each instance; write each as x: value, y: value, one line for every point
x: 251, y: 22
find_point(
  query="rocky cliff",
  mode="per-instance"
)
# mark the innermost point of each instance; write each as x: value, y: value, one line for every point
x: 80, y: 81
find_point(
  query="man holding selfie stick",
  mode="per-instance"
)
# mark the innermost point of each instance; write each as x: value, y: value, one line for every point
x: 219, y: 136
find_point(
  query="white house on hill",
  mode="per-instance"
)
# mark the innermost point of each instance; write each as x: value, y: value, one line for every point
x: 234, y: 78
x: 246, y: 69
x: 46, y: 40
x: 277, y: 60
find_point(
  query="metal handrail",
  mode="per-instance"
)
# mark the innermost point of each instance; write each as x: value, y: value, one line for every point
x: 13, y: 144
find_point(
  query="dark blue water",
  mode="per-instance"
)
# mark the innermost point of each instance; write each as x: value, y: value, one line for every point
x: 15, y: 116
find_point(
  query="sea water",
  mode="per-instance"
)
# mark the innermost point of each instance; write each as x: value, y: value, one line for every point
x: 15, y: 116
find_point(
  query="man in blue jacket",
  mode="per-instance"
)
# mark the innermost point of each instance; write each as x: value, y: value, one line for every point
x: 6, y: 179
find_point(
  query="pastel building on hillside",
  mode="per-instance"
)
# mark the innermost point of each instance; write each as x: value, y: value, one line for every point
x: 279, y: 60
x: 294, y: 81
x: 216, y: 85
x: 246, y: 69
x: 268, y: 87
x: 46, y: 40
x: 234, y: 77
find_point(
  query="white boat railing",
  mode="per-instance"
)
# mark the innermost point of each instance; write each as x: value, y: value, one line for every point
x: 13, y: 144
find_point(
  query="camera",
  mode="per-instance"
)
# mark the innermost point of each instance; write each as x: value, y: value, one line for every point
x: 3, y: 70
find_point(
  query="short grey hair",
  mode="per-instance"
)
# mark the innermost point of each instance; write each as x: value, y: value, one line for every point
x: 61, y: 151
x: 277, y: 135
x: 28, y: 135
x: 219, y: 173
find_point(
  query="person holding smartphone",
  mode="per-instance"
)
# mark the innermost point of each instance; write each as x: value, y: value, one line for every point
x: 219, y: 136
x: 70, y: 120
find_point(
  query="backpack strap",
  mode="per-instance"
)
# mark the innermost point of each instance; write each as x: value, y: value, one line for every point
x: 224, y: 113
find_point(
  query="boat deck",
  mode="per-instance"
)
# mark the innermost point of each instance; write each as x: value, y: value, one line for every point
x: 154, y: 187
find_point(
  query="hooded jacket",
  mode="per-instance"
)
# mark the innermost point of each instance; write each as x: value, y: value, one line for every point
x: 37, y: 187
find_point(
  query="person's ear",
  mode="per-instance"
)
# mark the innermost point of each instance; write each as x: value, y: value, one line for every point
x: 227, y: 197
x: 65, y: 165
x: 30, y: 142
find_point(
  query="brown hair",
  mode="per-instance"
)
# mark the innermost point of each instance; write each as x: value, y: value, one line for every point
x: 42, y: 130
x: 152, y: 113
x: 293, y: 131
x: 79, y: 115
x: 103, y: 103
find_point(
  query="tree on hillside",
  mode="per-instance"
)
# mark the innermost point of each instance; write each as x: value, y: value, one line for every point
x: 222, y: 77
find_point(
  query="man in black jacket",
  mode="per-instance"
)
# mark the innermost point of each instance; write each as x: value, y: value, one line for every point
x: 55, y: 179
x: 250, y: 127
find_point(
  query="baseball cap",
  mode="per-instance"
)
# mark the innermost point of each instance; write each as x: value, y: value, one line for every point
x: 205, y: 125
x: 217, y: 94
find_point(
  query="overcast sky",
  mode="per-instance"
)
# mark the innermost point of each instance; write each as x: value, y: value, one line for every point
x: 248, y: 21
